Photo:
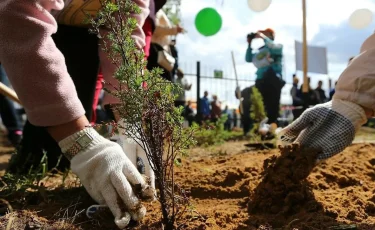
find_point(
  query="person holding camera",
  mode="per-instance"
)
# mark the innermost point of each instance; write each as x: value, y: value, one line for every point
x: 268, y: 60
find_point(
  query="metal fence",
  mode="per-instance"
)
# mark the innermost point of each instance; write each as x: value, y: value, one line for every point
x: 223, y: 87
x: 203, y: 79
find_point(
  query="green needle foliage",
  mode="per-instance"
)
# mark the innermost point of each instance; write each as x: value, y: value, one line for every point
x: 146, y: 104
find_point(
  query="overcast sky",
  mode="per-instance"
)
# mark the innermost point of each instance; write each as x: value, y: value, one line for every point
x: 327, y: 23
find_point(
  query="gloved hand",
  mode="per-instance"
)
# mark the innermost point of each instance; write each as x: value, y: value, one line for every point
x: 264, y: 128
x: 328, y: 128
x: 108, y: 175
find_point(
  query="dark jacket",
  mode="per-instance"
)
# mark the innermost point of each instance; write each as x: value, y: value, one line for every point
x: 321, y: 95
x: 246, y: 102
x: 205, y: 106
x: 313, y: 97
x: 296, y: 95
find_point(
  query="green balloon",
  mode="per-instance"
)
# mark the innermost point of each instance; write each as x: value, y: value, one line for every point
x: 208, y: 22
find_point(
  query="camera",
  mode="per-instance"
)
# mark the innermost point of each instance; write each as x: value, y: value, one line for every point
x: 251, y: 36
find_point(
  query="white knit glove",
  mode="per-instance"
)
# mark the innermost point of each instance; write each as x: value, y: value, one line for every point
x: 136, y: 154
x: 264, y: 128
x: 328, y: 127
x: 109, y: 176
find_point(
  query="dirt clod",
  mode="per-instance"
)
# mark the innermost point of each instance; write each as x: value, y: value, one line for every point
x: 284, y: 189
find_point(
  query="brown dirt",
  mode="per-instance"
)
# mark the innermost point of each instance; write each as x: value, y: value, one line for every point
x: 221, y: 180
x: 284, y: 190
x: 5, y: 152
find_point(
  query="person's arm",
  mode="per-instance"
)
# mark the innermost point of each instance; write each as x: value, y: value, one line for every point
x: 249, y: 54
x: 357, y: 83
x: 38, y: 73
x: 352, y: 104
x: 165, y: 30
x: 35, y: 67
x: 163, y: 27
x: 368, y: 44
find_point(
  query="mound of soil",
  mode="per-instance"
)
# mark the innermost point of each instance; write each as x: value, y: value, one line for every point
x: 284, y: 189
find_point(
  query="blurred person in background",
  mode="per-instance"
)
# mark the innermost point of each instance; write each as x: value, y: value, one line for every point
x: 228, y: 122
x: 9, y: 115
x: 150, y: 24
x: 160, y: 54
x: 148, y: 28
x: 296, y: 94
x: 205, y: 107
x: 189, y: 113
x: 320, y: 93
x: 268, y: 61
x: 185, y: 86
x: 174, y: 53
x: 245, y: 109
x: 312, y: 98
x: 215, y: 109
x: 235, y: 118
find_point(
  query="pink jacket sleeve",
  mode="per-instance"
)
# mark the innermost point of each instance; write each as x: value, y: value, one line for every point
x: 35, y: 67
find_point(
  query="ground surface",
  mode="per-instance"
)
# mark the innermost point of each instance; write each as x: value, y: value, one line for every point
x: 221, y: 179
x: 5, y: 152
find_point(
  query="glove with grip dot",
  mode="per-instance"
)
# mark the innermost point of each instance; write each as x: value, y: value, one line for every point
x: 329, y: 128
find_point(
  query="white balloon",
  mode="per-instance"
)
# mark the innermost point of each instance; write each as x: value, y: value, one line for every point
x: 259, y: 5
x: 360, y: 18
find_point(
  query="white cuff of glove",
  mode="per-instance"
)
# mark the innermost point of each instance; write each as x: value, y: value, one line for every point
x: 69, y: 141
x: 353, y: 112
